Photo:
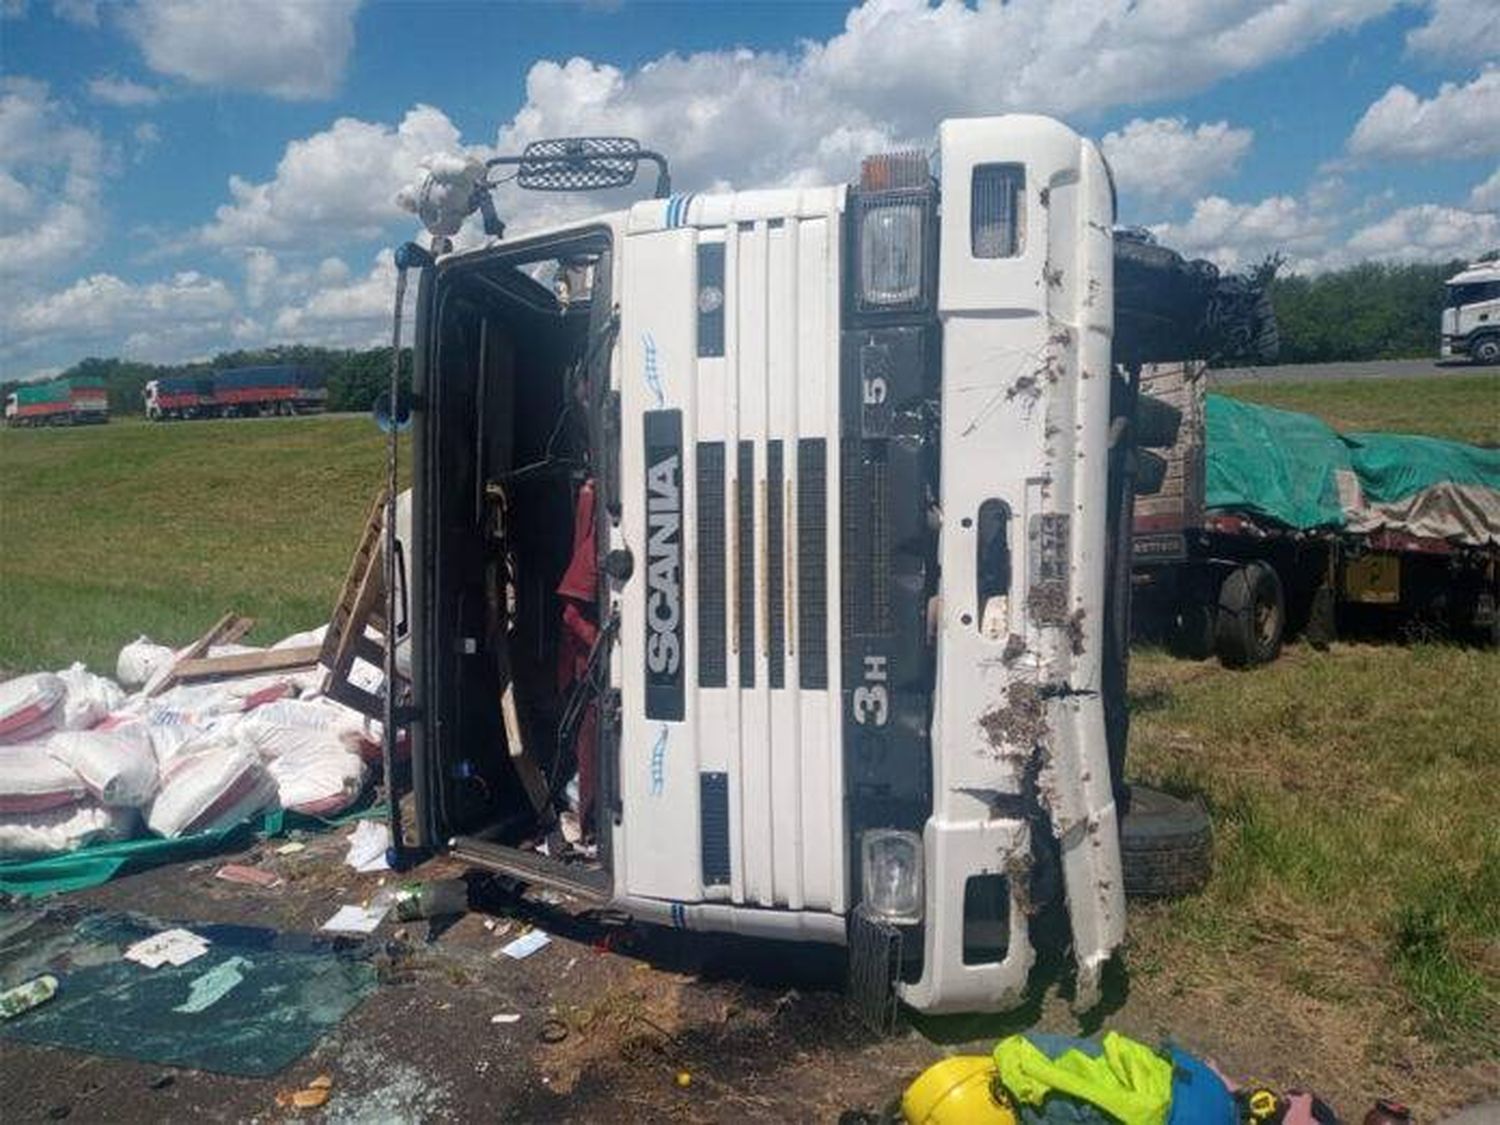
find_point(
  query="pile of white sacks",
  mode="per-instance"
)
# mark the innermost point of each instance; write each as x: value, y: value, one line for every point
x: 82, y: 761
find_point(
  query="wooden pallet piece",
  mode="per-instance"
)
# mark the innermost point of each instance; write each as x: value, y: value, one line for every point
x: 226, y: 631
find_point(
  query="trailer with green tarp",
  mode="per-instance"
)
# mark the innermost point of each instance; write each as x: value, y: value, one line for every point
x: 76, y: 400
x: 1269, y: 522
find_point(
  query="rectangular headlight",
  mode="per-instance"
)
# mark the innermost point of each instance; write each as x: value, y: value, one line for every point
x: 892, y: 874
x: 890, y: 253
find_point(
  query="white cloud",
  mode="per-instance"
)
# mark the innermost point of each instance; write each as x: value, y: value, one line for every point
x: 1459, y: 121
x: 102, y: 308
x: 351, y: 313
x: 1164, y: 158
x: 333, y: 186
x: 1461, y: 31
x: 1486, y: 195
x: 1426, y: 233
x: 84, y: 13
x: 1237, y: 235
x: 50, y: 174
x: 113, y: 90
x: 146, y: 133
x: 276, y: 47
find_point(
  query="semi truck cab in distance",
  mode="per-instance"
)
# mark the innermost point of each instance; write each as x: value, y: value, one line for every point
x: 1471, y: 314
x: 780, y: 518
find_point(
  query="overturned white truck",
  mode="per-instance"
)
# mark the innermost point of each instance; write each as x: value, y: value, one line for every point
x: 795, y: 525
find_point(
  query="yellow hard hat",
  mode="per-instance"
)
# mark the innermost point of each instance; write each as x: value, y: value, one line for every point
x: 957, y: 1091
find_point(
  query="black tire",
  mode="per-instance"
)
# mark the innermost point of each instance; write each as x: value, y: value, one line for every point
x: 1166, y: 845
x: 1485, y: 350
x: 1251, y: 617
x: 1156, y: 422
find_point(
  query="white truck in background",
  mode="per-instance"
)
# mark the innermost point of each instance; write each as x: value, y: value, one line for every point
x: 1471, y: 314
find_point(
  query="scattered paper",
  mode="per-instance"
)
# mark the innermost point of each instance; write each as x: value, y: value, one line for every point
x: 506, y: 1017
x: 250, y: 876
x: 368, y: 844
x: 291, y: 849
x: 526, y: 944
x: 355, y: 919
x: 170, y: 947
x: 213, y: 986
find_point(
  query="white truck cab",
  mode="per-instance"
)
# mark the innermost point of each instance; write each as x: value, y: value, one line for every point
x: 782, y: 519
x: 12, y: 406
x: 1471, y: 314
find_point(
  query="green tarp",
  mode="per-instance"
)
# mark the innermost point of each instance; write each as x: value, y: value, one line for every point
x: 1274, y: 464
x: 88, y: 867
x: 1296, y: 471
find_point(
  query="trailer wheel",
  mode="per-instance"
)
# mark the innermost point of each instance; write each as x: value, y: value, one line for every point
x: 1192, y: 630
x: 1251, y: 616
x: 1166, y: 845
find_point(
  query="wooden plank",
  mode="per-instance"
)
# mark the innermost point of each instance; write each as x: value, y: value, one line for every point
x: 228, y: 629
x: 249, y: 663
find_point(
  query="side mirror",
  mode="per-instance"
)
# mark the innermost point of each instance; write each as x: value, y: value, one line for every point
x: 381, y: 412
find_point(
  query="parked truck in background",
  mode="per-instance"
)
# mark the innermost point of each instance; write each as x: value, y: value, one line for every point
x: 1471, y: 314
x: 238, y: 392
x: 1267, y: 522
x: 79, y: 400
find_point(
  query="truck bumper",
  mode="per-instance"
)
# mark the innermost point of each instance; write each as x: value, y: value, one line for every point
x: 956, y: 851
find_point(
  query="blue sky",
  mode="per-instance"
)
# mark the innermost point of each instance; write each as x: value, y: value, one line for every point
x: 182, y: 176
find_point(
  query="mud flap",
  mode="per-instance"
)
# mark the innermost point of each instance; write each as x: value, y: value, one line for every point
x: 874, y: 967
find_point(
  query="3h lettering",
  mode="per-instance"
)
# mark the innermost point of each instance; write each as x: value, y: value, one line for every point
x: 872, y: 699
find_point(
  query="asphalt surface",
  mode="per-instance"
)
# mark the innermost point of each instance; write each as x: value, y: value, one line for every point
x: 1372, y: 369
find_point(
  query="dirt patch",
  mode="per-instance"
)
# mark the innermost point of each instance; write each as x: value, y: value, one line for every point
x: 1047, y: 602
x: 1021, y: 722
x: 1075, y: 631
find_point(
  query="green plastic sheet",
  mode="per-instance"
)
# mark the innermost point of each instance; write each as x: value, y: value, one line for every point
x: 1274, y: 464
x: 88, y: 867
x: 1393, y: 467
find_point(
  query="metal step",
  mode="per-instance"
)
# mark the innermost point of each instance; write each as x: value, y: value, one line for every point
x: 587, y: 883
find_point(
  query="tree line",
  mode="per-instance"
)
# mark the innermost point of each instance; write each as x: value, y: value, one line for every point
x: 1372, y: 310
x: 354, y: 378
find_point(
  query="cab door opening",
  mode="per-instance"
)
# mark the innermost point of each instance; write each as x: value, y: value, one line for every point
x: 512, y: 374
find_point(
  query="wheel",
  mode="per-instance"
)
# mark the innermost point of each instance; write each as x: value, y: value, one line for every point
x: 1251, y: 616
x: 1166, y: 845
x: 1486, y: 350
x: 1156, y: 422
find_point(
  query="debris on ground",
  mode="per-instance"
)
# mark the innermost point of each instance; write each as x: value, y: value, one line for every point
x: 368, y: 844
x: 525, y: 945
x: 360, y: 920
x: 24, y: 997
x: 170, y: 947
x: 249, y: 876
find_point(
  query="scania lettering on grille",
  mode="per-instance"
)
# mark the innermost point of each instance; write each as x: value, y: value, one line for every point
x: 664, y: 589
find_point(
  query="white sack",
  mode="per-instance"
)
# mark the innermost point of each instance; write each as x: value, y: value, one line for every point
x: 31, y: 779
x: 29, y: 705
x: 89, y: 699
x: 118, y: 765
x: 62, y: 829
x: 321, y: 715
x: 214, y: 786
x: 141, y: 659
x: 319, y: 781
x: 303, y: 640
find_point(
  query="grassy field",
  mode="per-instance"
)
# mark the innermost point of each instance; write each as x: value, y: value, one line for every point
x: 109, y: 532
x: 1460, y: 407
x: 1353, y: 920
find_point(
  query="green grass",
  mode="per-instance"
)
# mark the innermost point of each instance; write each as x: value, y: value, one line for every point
x: 109, y: 532
x: 1357, y: 846
x: 1460, y: 407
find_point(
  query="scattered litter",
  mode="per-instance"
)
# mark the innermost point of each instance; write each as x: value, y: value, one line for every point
x: 170, y: 947
x: 250, y: 876
x: 368, y: 844
x: 162, y: 1081
x: 355, y: 919
x: 527, y: 944
x: 24, y: 997
x: 208, y: 989
x: 291, y: 849
x: 547, y: 896
x: 684, y: 1079
x: 506, y: 1017
x: 436, y: 898
x: 553, y: 1030
x: 311, y: 1097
